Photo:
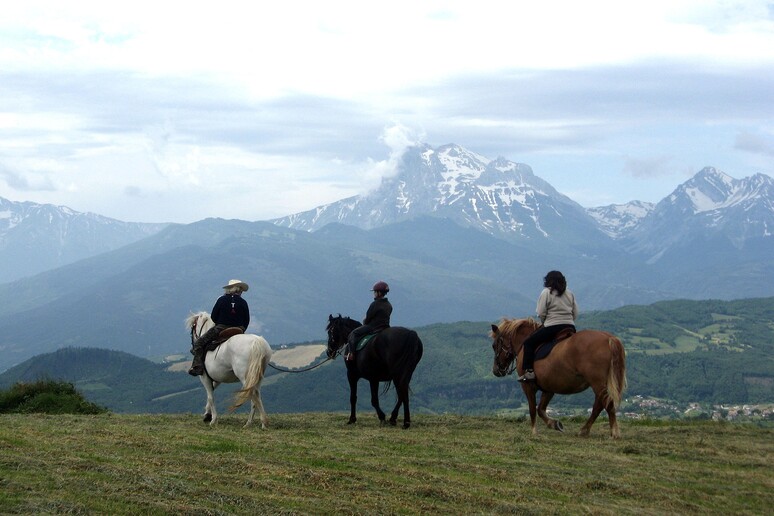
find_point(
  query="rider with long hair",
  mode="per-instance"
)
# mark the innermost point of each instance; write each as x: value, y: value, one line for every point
x: 557, y: 310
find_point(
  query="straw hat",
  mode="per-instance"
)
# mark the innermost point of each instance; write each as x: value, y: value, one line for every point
x: 237, y: 283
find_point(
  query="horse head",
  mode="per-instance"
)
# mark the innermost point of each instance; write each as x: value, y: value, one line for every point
x: 338, y: 330
x: 507, y: 339
x: 198, y: 323
x: 334, y: 338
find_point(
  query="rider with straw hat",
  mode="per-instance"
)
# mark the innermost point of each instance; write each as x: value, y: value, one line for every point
x: 230, y: 311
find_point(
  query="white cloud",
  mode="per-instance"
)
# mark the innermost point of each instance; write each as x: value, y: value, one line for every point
x: 175, y: 107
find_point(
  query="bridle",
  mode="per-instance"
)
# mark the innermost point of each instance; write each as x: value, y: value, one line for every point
x: 500, y: 348
x: 331, y: 340
x: 194, y: 336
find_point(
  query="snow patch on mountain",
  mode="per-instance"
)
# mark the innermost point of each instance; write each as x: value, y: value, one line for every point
x: 617, y: 220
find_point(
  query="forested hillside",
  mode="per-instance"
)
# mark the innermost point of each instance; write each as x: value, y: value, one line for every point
x: 686, y: 351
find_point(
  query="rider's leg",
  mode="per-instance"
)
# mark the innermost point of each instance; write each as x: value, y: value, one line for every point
x: 354, y: 337
x: 197, y: 365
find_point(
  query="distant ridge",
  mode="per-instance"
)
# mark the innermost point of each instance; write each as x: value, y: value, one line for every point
x: 464, y: 238
x: 38, y: 237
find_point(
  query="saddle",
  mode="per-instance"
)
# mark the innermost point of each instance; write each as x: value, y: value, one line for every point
x: 543, y: 350
x: 223, y: 336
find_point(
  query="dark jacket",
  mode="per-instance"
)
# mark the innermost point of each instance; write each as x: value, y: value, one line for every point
x: 378, y: 314
x: 231, y: 310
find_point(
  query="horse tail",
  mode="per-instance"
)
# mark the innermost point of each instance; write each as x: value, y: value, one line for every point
x: 411, y: 355
x: 260, y: 355
x: 616, y: 375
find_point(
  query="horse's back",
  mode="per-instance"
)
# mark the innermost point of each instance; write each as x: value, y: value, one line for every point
x: 401, y: 347
x: 589, y: 349
x: 232, y: 358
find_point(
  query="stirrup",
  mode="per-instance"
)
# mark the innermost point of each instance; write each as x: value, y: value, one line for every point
x: 528, y: 375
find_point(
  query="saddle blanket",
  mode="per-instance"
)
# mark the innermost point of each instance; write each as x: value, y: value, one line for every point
x: 544, y: 349
x: 364, y: 341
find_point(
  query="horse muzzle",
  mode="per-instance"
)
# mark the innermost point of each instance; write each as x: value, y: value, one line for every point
x: 501, y: 371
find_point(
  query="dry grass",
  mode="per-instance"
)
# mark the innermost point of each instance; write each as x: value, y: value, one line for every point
x: 298, y: 356
x: 315, y: 464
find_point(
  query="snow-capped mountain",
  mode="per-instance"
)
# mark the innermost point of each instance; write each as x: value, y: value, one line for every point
x: 498, y: 196
x: 617, y: 220
x: 37, y: 237
x: 711, y: 209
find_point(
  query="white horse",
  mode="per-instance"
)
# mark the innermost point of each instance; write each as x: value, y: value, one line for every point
x: 242, y: 358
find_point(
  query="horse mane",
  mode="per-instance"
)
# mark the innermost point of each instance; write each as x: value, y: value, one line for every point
x: 344, y: 320
x: 510, y: 327
x: 193, y: 316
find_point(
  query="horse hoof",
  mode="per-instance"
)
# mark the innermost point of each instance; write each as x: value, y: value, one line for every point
x: 406, y: 426
x: 207, y: 418
x: 393, y: 422
x: 351, y: 421
x: 559, y: 426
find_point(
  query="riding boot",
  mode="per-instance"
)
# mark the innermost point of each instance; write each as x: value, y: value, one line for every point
x: 199, y: 349
x: 349, y: 351
x: 197, y: 364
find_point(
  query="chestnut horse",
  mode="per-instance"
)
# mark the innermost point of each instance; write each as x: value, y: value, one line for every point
x: 589, y: 358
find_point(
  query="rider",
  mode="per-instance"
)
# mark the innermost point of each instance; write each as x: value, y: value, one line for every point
x: 557, y: 310
x: 377, y: 318
x: 230, y: 310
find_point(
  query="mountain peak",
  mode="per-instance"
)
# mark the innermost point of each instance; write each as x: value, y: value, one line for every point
x: 498, y: 196
x: 710, y: 205
x: 711, y: 189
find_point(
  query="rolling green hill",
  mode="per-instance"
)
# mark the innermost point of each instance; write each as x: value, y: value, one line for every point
x: 686, y: 351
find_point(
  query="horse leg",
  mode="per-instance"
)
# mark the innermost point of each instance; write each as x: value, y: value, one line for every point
x: 257, y: 402
x: 352, y: 398
x: 615, y: 432
x: 252, y: 413
x: 403, y: 398
x: 595, y: 410
x: 545, y: 399
x: 210, y: 411
x: 529, y: 391
x: 375, y: 400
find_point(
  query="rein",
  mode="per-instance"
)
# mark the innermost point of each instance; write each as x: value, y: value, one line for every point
x: 299, y: 370
x: 194, y: 336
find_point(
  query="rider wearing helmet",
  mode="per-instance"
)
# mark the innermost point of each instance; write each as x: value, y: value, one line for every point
x: 377, y: 318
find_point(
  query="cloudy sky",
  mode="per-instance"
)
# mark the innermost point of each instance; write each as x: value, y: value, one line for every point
x: 178, y: 111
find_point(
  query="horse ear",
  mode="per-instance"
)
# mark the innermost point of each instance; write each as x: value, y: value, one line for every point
x: 330, y: 317
x: 495, y: 329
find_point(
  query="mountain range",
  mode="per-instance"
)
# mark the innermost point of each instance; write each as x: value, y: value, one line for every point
x: 706, y: 352
x: 38, y: 237
x: 458, y: 237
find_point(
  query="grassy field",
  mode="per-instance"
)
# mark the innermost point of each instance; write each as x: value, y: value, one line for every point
x: 315, y: 464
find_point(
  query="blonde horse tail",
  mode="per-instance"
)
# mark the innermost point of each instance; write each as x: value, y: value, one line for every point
x: 260, y: 354
x: 616, y: 376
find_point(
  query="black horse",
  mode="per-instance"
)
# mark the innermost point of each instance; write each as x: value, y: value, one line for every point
x: 391, y: 356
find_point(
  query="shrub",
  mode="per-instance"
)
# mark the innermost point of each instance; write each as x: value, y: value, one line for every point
x: 48, y: 397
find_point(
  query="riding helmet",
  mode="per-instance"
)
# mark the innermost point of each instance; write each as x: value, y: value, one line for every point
x: 381, y: 286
